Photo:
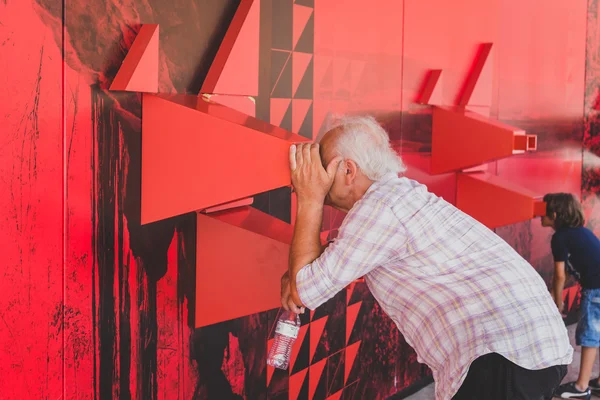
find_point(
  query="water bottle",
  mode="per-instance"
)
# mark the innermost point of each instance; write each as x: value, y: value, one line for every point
x: 286, y: 333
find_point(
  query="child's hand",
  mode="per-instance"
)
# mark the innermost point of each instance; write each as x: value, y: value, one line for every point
x: 560, y: 304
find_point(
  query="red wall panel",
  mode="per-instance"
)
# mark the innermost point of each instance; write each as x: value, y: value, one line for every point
x: 31, y: 207
x: 94, y: 305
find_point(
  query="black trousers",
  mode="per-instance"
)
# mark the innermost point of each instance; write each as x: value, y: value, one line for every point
x: 493, y: 377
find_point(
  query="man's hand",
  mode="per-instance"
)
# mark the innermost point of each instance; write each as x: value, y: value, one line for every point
x: 310, y: 180
x: 286, y: 299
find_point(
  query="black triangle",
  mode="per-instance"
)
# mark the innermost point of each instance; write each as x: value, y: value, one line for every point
x: 335, y: 372
x: 306, y: 129
x: 306, y: 43
x: 305, y: 89
x: 286, y: 122
x: 278, y: 60
x: 283, y: 88
x: 303, y: 354
x: 304, y: 389
x: 308, y: 3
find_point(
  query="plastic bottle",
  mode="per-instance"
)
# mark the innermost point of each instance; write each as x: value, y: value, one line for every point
x: 286, y: 333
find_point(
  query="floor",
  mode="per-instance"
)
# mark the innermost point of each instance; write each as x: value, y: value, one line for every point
x: 427, y: 393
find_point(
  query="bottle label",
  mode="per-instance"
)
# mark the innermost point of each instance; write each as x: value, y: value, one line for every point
x: 286, y: 329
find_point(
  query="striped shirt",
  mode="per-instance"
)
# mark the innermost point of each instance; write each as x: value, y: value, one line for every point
x: 454, y: 288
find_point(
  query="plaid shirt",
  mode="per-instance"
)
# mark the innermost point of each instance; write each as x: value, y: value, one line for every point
x: 455, y: 289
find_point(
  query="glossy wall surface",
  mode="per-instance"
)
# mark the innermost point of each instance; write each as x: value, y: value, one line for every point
x: 95, y: 305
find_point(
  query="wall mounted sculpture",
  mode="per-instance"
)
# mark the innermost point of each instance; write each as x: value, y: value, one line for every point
x: 463, y: 139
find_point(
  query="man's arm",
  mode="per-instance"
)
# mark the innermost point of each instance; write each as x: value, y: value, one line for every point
x: 311, y: 182
x: 558, y: 284
x: 306, y: 243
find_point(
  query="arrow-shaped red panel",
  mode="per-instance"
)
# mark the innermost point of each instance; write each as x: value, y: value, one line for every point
x: 462, y: 139
x: 197, y: 154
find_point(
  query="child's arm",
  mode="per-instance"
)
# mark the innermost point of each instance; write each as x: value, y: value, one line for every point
x: 558, y: 284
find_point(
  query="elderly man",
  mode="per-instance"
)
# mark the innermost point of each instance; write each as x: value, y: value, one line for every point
x: 474, y: 311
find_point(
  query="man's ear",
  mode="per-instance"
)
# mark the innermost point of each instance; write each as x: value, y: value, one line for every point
x: 350, y: 170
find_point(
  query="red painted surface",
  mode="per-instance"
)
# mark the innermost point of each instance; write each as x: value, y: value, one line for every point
x: 494, y: 201
x: 256, y: 261
x: 473, y: 76
x: 139, y: 71
x: 95, y: 305
x: 180, y: 135
x: 429, y: 84
x: 235, y: 67
x: 461, y: 139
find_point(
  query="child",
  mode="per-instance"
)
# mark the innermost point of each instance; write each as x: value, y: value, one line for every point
x: 576, y: 249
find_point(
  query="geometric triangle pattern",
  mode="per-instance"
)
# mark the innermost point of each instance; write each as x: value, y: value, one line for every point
x: 315, y: 375
x: 306, y: 128
x: 299, y: 66
x: 315, y: 334
x: 298, y: 345
x: 300, y: 109
x: 351, y: 352
x: 279, y: 60
x: 283, y: 84
x: 351, y: 314
x: 301, y: 16
x: 296, y: 383
x: 306, y: 42
x: 305, y: 87
x: 279, y: 108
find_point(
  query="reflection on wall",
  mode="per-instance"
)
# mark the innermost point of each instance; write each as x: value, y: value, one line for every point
x: 96, y: 305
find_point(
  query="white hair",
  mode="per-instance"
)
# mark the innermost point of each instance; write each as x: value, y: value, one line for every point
x: 366, y: 143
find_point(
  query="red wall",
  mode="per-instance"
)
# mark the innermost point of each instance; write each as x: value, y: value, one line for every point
x: 95, y: 305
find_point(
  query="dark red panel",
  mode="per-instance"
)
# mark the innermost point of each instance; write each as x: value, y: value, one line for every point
x: 238, y: 269
x: 180, y: 135
x: 139, y: 71
x: 462, y: 139
x: 494, y: 201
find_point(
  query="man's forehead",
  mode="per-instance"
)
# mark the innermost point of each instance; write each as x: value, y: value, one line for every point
x: 326, y: 143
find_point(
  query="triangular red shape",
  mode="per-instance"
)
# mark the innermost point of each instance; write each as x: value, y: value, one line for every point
x: 297, y: 345
x: 351, y: 314
x: 300, y: 63
x: 314, y: 377
x: 299, y: 110
x: 278, y: 109
x: 301, y: 16
x: 315, y: 334
x: 349, y: 291
x: 351, y: 352
x: 139, y: 71
x: 336, y: 396
x: 239, y: 47
x: 295, y: 384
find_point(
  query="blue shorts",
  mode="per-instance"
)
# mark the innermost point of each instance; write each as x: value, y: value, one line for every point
x: 588, y: 327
